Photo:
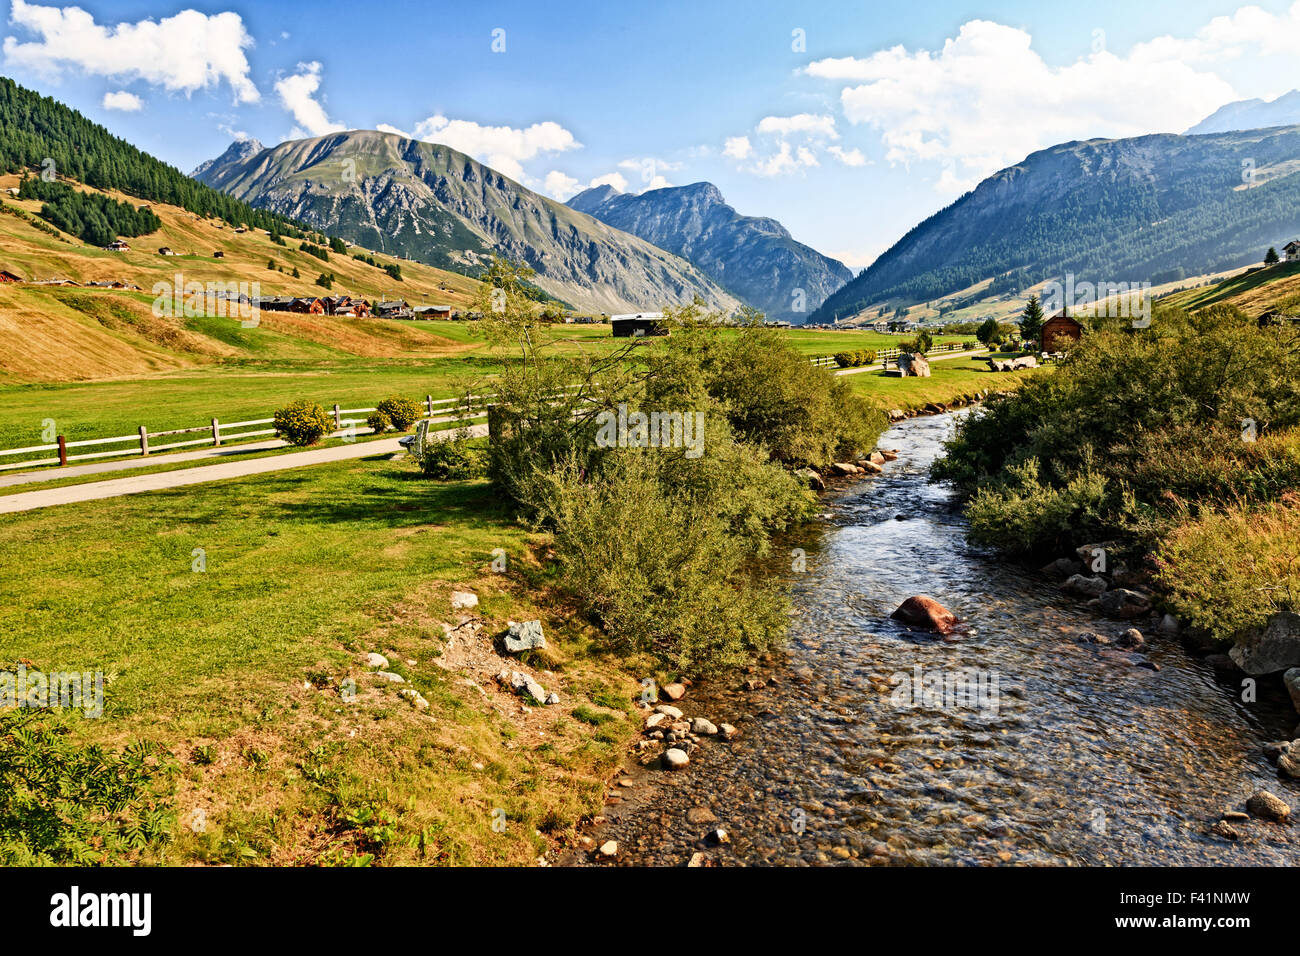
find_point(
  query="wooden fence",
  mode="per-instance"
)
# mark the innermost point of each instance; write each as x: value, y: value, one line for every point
x: 215, y: 434
x: 884, y: 355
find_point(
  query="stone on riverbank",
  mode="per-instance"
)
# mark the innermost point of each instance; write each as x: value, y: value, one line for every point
x: 914, y: 364
x: 675, y: 759
x: 609, y: 849
x: 922, y: 611
x: 1132, y: 639
x: 815, y: 481
x: 702, y: 727
x: 1271, y: 648
x: 1062, y: 568
x: 1084, y: 586
x: 1124, y: 604
x: 674, y: 691
x: 1268, y: 807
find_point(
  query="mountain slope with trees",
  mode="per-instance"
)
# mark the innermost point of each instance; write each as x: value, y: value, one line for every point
x: 1152, y: 208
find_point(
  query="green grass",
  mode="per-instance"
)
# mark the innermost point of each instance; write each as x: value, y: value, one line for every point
x: 305, y: 572
x: 949, y: 379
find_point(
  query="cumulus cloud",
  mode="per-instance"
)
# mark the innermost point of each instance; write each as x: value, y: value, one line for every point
x: 298, y: 95
x: 987, y: 99
x: 504, y: 148
x: 650, y: 170
x: 815, y: 125
x: 737, y: 147
x: 182, y: 53
x: 122, y: 100
x: 849, y: 157
x: 560, y: 185
x: 617, y: 180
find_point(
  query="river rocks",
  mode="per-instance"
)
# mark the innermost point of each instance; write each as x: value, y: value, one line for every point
x: 1062, y: 568
x: 897, y: 414
x: 1271, y: 648
x: 463, y: 600
x: 608, y: 849
x: 844, y: 469
x: 376, y: 660
x: 675, y: 759
x: 674, y: 691
x: 718, y: 836
x: 926, y: 612
x: 1124, y: 604
x: 1084, y: 586
x: 876, y: 458
x: 524, y: 637
x: 914, y: 364
x: 1268, y: 807
x: 700, y: 816
x: 1226, y: 830
x: 668, y: 710
x: 1132, y: 639
x: 887, y: 455
x: 703, y: 728
x: 654, y: 720
x: 1288, y: 762
x: 814, y: 480
x: 728, y: 732
x: 871, y: 467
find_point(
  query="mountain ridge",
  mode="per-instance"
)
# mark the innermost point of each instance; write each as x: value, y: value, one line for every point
x: 440, y: 206
x: 753, y: 257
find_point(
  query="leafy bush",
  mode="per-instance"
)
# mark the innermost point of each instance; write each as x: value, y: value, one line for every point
x: 66, y: 804
x: 379, y: 422
x: 453, y: 458
x: 1232, y: 569
x: 402, y: 412
x: 856, y: 358
x: 302, y: 423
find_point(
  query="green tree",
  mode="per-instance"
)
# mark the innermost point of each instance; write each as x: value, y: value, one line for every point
x: 990, y: 333
x: 1031, y: 320
x: 1271, y: 258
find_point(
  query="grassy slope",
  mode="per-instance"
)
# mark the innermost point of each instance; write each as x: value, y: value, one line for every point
x: 1252, y: 292
x: 306, y: 573
x: 949, y: 380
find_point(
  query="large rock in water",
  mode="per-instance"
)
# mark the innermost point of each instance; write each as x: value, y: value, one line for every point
x: 913, y: 363
x: 1124, y: 604
x: 1084, y: 586
x: 926, y: 612
x: 1271, y: 648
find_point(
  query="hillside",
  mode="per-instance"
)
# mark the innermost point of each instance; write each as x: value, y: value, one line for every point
x: 1255, y: 291
x: 756, y: 259
x: 67, y: 333
x: 1154, y: 208
x: 439, y: 206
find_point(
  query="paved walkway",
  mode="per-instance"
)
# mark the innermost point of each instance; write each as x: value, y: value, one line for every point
x: 115, y: 487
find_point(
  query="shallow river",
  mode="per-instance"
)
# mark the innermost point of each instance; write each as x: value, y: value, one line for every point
x: 1039, y: 750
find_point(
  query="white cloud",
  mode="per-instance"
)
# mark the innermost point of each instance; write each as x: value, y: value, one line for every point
x: 504, y: 148
x: 849, y: 157
x: 1250, y: 31
x: 182, y: 53
x: 737, y: 147
x: 560, y: 185
x: 298, y: 95
x: 817, y: 126
x: 784, y: 161
x: 122, y: 100
x: 987, y: 99
x: 617, y: 180
x: 857, y: 258
x: 650, y: 170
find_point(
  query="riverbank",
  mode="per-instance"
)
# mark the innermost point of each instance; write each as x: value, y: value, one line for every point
x: 1073, y: 753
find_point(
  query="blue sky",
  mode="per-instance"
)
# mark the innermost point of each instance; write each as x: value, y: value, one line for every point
x: 849, y: 122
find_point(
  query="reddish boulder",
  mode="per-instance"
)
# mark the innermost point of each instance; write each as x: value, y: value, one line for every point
x: 926, y: 612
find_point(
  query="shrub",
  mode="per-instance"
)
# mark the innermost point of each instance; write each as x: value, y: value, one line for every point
x: 453, y: 458
x: 402, y: 412
x: 302, y: 423
x: 62, y: 803
x: 379, y: 422
x: 856, y: 358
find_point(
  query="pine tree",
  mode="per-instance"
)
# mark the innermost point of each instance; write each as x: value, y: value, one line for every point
x: 1272, y: 258
x: 1031, y: 320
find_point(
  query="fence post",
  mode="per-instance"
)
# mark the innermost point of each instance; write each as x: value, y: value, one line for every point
x: 338, y: 421
x: 216, y: 432
x: 63, y: 451
x: 144, y: 440
x: 428, y: 404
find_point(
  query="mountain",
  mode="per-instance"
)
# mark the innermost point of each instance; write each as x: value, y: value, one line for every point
x: 441, y: 207
x: 238, y: 151
x: 753, y: 258
x: 1152, y: 208
x: 1251, y: 114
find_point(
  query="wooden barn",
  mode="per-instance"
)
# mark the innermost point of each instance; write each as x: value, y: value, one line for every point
x: 637, y: 324
x: 308, y: 305
x: 6, y: 276
x: 1060, y: 332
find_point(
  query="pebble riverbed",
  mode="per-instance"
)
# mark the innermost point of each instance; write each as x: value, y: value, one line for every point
x: 1042, y: 751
